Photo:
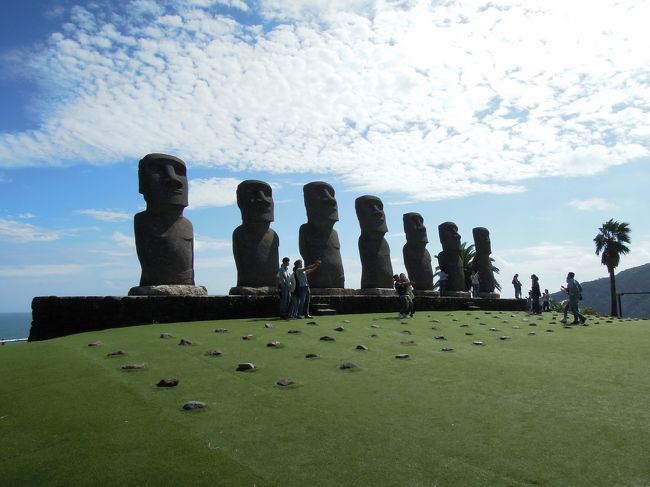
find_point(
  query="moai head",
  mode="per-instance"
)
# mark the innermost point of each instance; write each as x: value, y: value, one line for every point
x: 370, y: 212
x: 482, y: 242
x: 320, y: 203
x: 416, y: 232
x: 163, y: 181
x: 255, y: 200
x: 449, y: 236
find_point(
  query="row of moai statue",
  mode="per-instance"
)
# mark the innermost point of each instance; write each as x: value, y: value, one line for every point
x: 164, y: 240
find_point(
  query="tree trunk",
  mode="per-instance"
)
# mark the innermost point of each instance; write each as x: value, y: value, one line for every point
x: 612, y: 289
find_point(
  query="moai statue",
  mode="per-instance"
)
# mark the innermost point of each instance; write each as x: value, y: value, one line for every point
x: 164, y: 238
x: 318, y: 239
x: 254, y: 243
x: 482, y: 262
x: 416, y: 257
x: 376, y: 267
x: 449, y: 259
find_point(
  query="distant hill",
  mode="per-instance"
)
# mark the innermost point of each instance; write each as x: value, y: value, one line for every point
x: 596, y: 293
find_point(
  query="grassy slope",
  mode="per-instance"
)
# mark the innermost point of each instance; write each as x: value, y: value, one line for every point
x: 561, y: 408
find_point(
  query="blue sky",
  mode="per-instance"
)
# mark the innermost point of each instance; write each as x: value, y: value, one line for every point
x: 531, y: 118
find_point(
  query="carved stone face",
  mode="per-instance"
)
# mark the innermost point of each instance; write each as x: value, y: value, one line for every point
x: 370, y: 212
x: 163, y: 181
x: 449, y: 236
x: 320, y: 202
x: 255, y: 200
x: 482, y: 240
x: 414, y: 228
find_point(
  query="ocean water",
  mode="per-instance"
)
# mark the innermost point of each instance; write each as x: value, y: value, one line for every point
x: 15, y: 325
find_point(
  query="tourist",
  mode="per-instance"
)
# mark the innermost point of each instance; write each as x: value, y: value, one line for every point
x: 402, y: 292
x: 409, y: 290
x: 517, y: 286
x: 475, y: 284
x: 286, y: 284
x: 442, y: 281
x: 535, y: 294
x: 546, y: 301
x: 302, y: 287
x: 574, y: 291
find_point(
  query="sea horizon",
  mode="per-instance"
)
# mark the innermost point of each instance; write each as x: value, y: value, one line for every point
x: 15, y: 324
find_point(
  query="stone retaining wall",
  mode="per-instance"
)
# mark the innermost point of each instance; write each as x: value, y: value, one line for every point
x: 54, y: 316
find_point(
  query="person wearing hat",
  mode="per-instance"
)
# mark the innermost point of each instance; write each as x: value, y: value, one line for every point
x: 286, y: 284
x: 535, y: 294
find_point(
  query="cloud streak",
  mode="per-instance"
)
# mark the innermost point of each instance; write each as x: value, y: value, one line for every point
x: 450, y: 99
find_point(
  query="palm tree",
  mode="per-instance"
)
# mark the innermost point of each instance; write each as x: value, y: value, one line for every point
x: 610, y: 245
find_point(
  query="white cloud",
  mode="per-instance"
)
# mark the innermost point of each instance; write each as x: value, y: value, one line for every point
x: 207, y: 244
x: 213, y: 192
x: 25, y: 232
x: 591, y: 204
x: 41, y: 270
x: 107, y: 215
x: 26, y: 216
x: 448, y: 98
x: 124, y: 241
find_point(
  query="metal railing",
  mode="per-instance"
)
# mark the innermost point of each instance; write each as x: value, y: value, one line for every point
x: 3, y: 341
x: 618, y: 298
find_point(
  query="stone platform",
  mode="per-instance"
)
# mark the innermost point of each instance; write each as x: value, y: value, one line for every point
x: 54, y: 316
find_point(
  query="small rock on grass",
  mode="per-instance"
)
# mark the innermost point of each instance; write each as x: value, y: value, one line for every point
x: 274, y: 344
x: 346, y: 321
x: 406, y: 332
x: 504, y: 337
x: 339, y: 328
x: 361, y: 347
x: 347, y: 365
x: 479, y: 343
x: 116, y: 353
x: 132, y: 366
x: 447, y: 349
x: 245, y: 366
x: 98, y: 343
x: 247, y: 337
x: 532, y: 333
x: 285, y: 382
x: 171, y: 382
x: 408, y: 342
x: 190, y: 405
x: 468, y: 333
x: 185, y: 342
x: 221, y: 330
x: 268, y: 325
x: 373, y: 325
x: 327, y: 338
x: 440, y: 337
x: 213, y: 353
x: 312, y: 323
x: 311, y: 355
x: 402, y: 356
x: 166, y: 335
x: 293, y: 332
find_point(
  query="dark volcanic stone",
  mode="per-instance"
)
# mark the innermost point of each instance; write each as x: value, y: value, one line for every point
x: 286, y: 382
x: 402, y: 355
x: 361, y: 347
x: 188, y: 406
x: 469, y: 333
x: 440, y: 337
x: 166, y: 335
x: 311, y: 355
x: 348, y: 365
x: 98, y: 343
x: 132, y: 366
x: 247, y: 337
x: 479, y: 343
x: 116, y: 353
x: 213, y: 353
x: 185, y: 341
x: 244, y: 366
x: 293, y: 332
x: 312, y: 323
x: 374, y: 335
x: 327, y: 338
x: 339, y: 328
x: 447, y: 349
x: 504, y: 337
x: 406, y: 332
x: 221, y: 330
x: 268, y: 325
x: 168, y: 382
x: 408, y: 342
x: 274, y: 344
x: 549, y: 331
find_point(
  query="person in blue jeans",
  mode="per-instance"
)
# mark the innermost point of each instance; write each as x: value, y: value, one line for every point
x: 574, y: 290
x: 286, y: 285
x: 302, y: 285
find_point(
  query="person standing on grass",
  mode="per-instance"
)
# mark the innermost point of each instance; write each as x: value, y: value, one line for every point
x: 546, y: 301
x: 475, y: 284
x: 302, y: 285
x: 535, y: 294
x: 517, y: 286
x: 402, y: 293
x: 409, y: 290
x: 442, y: 281
x: 286, y: 285
x: 574, y: 290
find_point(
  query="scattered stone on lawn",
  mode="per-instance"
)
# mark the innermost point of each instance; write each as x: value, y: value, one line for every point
x: 434, y: 327
x: 494, y: 329
x: 268, y: 325
x: 312, y: 323
x: 513, y: 316
x: 549, y: 331
x: 185, y: 341
x: 478, y: 343
x: 374, y: 335
x: 166, y: 335
x: 483, y: 324
x: 247, y: 337
x: 339, y: 328
x: 532, y: 333
x: 567, y: 327
x: 408, y: 342
x: 346, y: 321
x: 404, y: 323
x: 172, y: 382
x: 132, y: 366
x: 245, y: 366
x: 347, y: 365
x: 373, y: 325
x: 116, y: 353
x: 504, y: 321
x: 293, y: 332
x: 311, y: 355
x: 406, y: 332
x: 447, y: 349
x: 477, y: 318
x: 532, y: 324
x: 274, y: 344
x: 190, y: 405
x: 469, y: 333
x: 524, y: 319
x: 213, y: 353
x: 402, y: 355
x: 435, y: 321
x: 98, y: 343
x: 327, y: 338
x: 487, y: 312
x: 504, y: 337
x: 515, y: 327
x: 440, y: 337
x: 361, y: 347
x: 286, y: 382
x: 221, y: 330
x: 464, y: 325
x: 454, y: 319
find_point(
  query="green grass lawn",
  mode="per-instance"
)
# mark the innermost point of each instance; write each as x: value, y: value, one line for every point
x: 561, y: 408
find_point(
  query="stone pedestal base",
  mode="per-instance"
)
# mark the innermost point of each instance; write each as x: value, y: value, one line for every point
x: 332, y: 291
x: 427, y: 294
x: 253, y: 291
x: 456, y: 294
x: 169, y: 290
x: 376, y: 291
x: 489, y: 295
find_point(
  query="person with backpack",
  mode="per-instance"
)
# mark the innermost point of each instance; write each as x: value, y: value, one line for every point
x: 574, y: 291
